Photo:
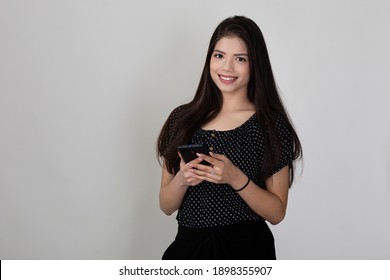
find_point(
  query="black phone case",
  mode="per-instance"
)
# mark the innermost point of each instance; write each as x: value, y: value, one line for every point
x: 188, y: 152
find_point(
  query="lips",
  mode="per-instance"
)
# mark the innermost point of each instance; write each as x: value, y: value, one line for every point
x: 227, y: 79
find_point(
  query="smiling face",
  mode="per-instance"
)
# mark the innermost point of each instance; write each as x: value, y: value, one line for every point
x: 229, y: 66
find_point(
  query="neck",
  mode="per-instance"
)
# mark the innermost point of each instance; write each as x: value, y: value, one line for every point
x: 236, y: 102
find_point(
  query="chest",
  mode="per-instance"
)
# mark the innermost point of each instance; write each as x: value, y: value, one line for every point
x: 227, y: 122
x: 243, y: 146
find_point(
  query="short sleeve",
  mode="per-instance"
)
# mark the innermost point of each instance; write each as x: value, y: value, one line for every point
x: 286, y: 144
x: 171, y: 129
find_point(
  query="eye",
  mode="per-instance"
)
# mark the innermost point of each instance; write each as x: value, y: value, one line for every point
x: 241, y: 59
x: 218, y: 55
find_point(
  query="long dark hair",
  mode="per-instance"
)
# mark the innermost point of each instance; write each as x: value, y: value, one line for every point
x: 207, y: 102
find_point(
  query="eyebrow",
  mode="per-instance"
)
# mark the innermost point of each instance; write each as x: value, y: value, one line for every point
x: 236, y: 54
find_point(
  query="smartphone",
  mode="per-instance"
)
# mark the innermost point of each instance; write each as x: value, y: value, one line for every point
x: 188, y: 152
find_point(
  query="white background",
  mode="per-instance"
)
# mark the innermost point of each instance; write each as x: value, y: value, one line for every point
x: 85, y: 87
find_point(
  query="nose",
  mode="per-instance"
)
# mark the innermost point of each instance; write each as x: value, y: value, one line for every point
x: 228, y: 65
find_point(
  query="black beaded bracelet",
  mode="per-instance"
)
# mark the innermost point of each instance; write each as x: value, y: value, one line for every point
x: 246, y: 184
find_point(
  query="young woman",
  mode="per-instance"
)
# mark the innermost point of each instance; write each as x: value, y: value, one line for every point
x: 223, y: 207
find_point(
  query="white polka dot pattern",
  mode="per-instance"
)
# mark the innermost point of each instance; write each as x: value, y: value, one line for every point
x: 208, y: 204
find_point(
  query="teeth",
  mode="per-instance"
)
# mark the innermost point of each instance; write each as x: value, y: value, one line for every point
x: 227, y: 79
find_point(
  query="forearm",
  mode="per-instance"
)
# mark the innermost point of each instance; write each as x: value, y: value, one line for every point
x: 171, y: 195
x: 262, y: 201
x: 270, y: 203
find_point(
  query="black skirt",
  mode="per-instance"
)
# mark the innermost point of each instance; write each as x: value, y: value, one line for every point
x: 249, y: 240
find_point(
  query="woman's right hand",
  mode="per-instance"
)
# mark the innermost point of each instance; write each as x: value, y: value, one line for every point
x: 174, y: 187
x: 188, y: 178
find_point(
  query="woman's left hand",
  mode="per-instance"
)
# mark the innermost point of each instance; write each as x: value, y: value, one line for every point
x: 221, y: 170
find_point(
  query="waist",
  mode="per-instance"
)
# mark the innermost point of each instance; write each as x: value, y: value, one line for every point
x: 233, y: 229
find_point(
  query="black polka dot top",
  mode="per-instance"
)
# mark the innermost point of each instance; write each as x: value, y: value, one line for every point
x: 209, y: 204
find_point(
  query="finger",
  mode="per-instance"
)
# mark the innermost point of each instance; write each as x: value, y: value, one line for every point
x: 201, y: 166
x: 209, y: 159
x: 212, y: 178
x: 191, y: 178
x: 188, y: 174
x: 208, y: 174
x: 195, y: 161
x: 218, y: 156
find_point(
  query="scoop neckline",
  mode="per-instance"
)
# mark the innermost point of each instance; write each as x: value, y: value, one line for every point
x: 230, y: 130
